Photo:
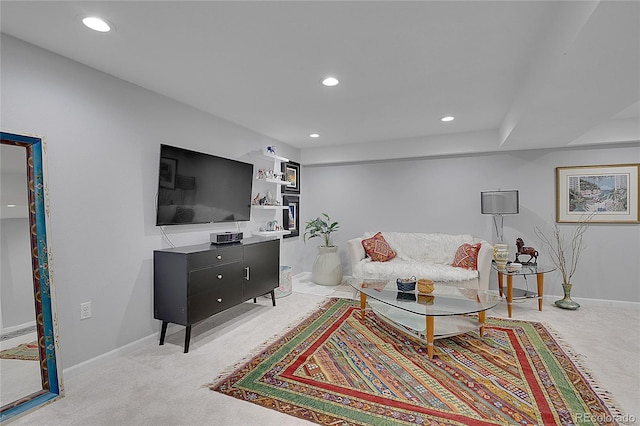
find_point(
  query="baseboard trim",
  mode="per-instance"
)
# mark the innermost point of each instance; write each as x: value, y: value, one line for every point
x: 173, y: 328
x: 595, y: 302
x: 11, y: 329
x: 103, y: 359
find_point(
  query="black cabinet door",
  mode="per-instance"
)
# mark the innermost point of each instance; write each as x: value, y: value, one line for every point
x: 263, y: 261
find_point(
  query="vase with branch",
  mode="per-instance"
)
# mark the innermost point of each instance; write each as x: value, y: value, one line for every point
x: 565, y: 250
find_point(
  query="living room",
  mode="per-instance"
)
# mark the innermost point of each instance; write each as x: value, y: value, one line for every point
x: 103, y: 137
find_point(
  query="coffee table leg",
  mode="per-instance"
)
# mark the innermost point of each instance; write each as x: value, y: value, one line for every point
x: 540, y: 279
x: 481, y: 318
x: 430, y: 337
x: 500, y: 282
x: 363, y: 304
x: 509, y: 293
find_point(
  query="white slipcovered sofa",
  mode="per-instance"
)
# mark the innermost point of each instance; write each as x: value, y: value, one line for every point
x: 423, y: 255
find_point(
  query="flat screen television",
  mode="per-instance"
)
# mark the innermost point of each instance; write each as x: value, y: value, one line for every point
x: 194, y: 187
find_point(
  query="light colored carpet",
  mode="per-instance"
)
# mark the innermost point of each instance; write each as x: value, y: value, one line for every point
x: 160, y: 385
x: 302, y: 283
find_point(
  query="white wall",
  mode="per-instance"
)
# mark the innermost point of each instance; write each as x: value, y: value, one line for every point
x: 443, y: 195
x: 18, y: 306
x: 103, y: 137
x: 103, y: 140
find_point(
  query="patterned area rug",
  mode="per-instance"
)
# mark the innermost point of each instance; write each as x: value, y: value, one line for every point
x: 333, y: 368
x: 25, y: 351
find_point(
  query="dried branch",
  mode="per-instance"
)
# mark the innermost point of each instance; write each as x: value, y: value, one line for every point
x: 558, y: 248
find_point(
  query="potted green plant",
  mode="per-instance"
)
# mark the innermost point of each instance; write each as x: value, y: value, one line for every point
x: 320, y: 227
x: 565, y: 251
x: 327, y: 268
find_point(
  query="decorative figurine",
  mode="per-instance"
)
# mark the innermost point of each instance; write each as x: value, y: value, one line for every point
x: 256, y: 201
x: 533, y: 253
x: 273, y: 225
x: 271, y: 149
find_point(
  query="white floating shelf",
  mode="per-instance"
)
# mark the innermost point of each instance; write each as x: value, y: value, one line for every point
x: 276, y: 181
x: 264, y: 155
x: 269, y: 207
x: 271, y: 233
x: 276, y: 157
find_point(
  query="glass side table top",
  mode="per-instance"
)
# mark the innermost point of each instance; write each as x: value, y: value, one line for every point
x: 526, y: 269
x: 443, y: 301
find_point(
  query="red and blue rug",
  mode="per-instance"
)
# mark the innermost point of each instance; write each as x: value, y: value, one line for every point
x: 25, y: 352
x: 333, y: 368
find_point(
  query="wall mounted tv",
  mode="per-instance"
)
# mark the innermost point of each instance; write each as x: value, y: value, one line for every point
x: 194, y: 187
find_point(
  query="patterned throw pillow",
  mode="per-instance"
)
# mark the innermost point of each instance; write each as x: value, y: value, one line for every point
x: 467, y: 256
x: 378, y: 249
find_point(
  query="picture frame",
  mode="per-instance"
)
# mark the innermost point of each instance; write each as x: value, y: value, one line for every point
x: 291, y: 215
x: 168, y: 168
x: 604, y: 194
x: 291, y: 174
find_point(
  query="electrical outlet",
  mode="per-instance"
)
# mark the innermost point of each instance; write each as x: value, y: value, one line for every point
x: 85, y: 310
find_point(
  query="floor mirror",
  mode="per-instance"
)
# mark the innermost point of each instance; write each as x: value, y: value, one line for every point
x: 30, y: 375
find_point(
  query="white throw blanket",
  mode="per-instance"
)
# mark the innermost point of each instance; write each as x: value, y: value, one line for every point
x: 421, y: 255
x: 396, y: 268
x: 429, y: 248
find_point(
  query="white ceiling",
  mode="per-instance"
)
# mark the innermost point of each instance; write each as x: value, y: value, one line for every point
x: 516, y: 74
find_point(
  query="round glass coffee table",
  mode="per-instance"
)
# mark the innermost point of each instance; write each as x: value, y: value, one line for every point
x: 417, y: 311
x: 537, y: 270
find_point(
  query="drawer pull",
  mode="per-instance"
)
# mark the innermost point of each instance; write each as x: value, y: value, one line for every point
x: 219, y: 300
x: 219, y: 276
x: 219, y: 257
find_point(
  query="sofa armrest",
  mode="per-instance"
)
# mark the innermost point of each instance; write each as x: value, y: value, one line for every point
x: 485, y: 256
x: 356, y: 252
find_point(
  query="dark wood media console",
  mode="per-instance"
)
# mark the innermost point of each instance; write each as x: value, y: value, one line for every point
x: 192, y: 283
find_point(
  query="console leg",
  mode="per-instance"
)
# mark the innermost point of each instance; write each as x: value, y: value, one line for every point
x: 163, y: 332
x: 254, y: 300
x: 273, y: 297
x: 187, y: 338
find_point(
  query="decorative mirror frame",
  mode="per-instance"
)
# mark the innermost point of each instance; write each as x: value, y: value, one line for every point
x: 46, y: 319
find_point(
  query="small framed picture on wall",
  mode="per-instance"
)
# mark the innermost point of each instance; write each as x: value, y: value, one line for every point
x: 168, y: 167
x: 291, y: 215
x: 291, y: 172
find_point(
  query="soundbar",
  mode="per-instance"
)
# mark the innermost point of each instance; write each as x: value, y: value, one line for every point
x: 225, y: 237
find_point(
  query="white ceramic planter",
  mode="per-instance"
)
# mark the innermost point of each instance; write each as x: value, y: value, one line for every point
x: 327, y: 268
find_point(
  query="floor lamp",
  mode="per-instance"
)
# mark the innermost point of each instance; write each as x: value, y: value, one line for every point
x: 498, y: 203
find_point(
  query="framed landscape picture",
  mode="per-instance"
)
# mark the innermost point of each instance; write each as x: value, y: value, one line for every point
x: 291, y: 171
x: 605, y: 194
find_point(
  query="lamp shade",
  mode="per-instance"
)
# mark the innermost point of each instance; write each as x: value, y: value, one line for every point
x: 500, y: 202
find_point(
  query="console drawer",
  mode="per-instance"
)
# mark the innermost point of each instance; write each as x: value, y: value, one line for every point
x: 215, y: 257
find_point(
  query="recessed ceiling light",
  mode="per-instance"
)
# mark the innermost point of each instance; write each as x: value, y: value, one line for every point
x: 447, y: 118
x: 330, y: 81
x: 11, y: 205
x: 97, y: 24
x: 314, y: 135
